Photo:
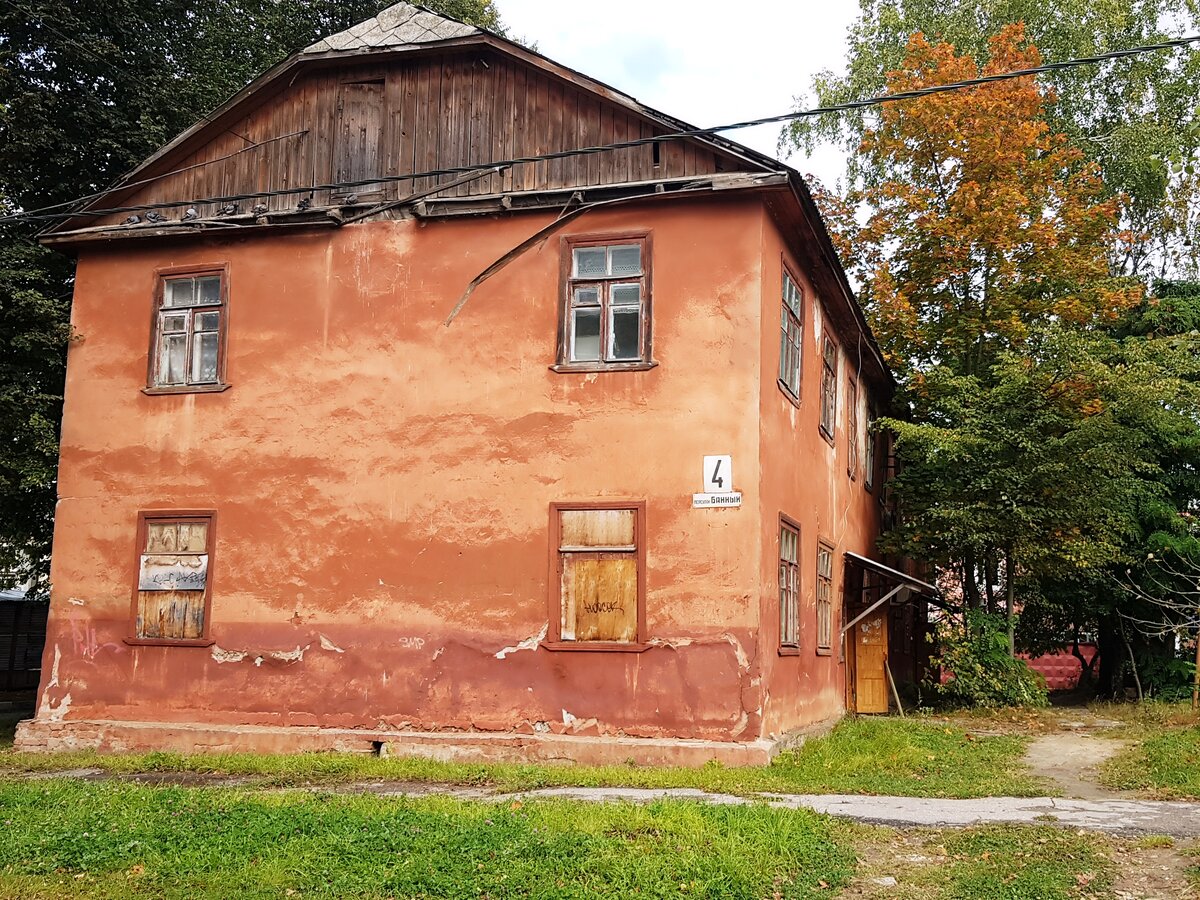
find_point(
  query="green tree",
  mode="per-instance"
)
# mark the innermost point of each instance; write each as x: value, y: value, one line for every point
x: 1036, y: 437
x: 1135, y: 118
x: 89, y: 90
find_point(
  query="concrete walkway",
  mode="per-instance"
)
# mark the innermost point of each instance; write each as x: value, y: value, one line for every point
x: 1115, y: 816
x: 1180, y: 820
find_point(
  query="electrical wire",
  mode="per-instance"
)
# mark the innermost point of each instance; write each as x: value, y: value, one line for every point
x: 623, y: 145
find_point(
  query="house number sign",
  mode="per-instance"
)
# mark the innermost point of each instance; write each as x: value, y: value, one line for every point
x: 718, y: 485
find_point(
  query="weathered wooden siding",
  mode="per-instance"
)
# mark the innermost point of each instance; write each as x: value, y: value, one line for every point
x: 437, y: 112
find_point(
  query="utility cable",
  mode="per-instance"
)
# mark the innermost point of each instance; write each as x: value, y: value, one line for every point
x: 635, y: 142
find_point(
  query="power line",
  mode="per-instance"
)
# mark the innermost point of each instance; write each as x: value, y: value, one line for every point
x: 635, y: 142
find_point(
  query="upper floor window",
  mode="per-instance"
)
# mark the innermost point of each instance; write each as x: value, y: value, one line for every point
x: 871, y: 452
x: 791, y: 336
x: 189, y: 332
x: 829, y: 361
x: 852, y: 427
x: 606, y: 320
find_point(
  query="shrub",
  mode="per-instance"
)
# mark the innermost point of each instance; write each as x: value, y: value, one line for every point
x: 977, y: 669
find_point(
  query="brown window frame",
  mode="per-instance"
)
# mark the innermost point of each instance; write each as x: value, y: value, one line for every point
x: 824, y: 628
x: 852, y: 448
x: 160, y: 311
x: 791, y: 335
x: 166, y: 516
x: 871, y: 451
x: 789, y: 588
x: 554, y: 639
x: 829, y: 386
x: 568, y: 282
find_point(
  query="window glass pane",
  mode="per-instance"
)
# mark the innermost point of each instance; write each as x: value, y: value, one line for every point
x: 587, y: 296
x: 585, y: 334
x: 179, y: 292
x: 596, y: 527
x: 591, y: 262
x: 193, y: 537
x: 626, y: 328
x: 174, y: 323
x: 204, y: 357
x: 626, y: 294
x: 626, y: 260
x: 208, y: 289
x: 208, y: 321
x: 161, y: 538
x: 172, y: 364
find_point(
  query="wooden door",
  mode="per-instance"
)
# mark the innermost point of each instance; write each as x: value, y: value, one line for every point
x: 870, y: 652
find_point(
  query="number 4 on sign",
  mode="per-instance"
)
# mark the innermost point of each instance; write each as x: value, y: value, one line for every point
x: 718, y: 474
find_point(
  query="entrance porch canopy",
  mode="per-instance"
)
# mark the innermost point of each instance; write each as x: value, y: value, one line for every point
x: 901, y: 580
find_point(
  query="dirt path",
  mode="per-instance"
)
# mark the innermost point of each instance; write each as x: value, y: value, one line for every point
x: 1071, y: 755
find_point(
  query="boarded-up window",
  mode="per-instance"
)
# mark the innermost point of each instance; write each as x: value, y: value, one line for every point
x: 172, y: 591
x: 829, y: 361
x: 789, y: 586
x: 599, y: 577
x: 791, y: 336
x: 358, y: 144
x: 824, y: 597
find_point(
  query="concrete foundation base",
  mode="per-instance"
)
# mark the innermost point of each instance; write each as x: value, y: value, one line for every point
x: 132, y: 737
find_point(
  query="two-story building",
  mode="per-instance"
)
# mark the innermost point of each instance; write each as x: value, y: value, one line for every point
x: 395, y: 419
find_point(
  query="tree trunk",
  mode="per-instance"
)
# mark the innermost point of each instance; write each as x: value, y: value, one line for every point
x: 1132, y: 664
x: 1109, y: 644
x: 989, y: 576
x: 970, y: 584
x: 1010, y: 601
x: 1196, y: 674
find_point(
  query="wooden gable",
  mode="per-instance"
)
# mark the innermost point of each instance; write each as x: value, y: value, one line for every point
x: 352, y: 120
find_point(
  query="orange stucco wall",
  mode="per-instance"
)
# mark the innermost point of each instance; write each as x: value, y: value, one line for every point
x: 382, y: 484
x: 805, y: 477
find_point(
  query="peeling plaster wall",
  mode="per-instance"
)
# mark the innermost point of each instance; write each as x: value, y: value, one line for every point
x: 382, y: 483
x: 804, y: 477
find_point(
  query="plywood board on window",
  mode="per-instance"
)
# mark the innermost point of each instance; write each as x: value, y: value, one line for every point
x: 599, y: 597
x: 597, y: 528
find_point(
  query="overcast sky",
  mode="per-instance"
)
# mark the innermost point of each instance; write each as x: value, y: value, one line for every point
x: 699, y: 61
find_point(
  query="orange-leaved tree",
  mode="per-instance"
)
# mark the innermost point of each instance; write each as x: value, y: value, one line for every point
x: 984, y: 222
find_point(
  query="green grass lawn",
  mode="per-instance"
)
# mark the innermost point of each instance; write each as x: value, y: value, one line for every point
x: 1166, y: 764
x: 907, y: 757
x: 64, y: 838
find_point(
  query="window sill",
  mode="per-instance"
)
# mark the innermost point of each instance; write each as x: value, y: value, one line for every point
x: 824, y: 651
x: 187, y: 389
x: 787, y: 392
x: 789, y: 651
x: 169, y: 642
x: 586, y: 368
x: 828, y: 436
x: 595, y: 646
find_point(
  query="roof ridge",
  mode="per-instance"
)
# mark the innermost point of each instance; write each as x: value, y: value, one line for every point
x: 399, y: 25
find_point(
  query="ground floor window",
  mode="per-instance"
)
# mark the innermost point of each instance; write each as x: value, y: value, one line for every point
x: 174, y: 562
x: 824, y: 597
x: 598, y: 596
x: 789, y: 586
